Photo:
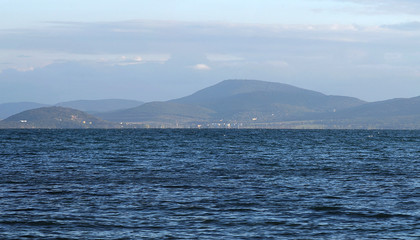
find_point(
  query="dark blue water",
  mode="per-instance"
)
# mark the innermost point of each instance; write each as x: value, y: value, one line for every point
x: 209, y: 184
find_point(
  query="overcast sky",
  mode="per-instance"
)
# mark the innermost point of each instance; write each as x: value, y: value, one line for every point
x: 52, y: 51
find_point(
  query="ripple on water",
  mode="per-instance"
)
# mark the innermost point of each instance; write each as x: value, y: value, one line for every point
x: 211, y: 184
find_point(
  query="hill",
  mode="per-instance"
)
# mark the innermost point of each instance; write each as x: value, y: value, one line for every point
x: 387, y: 108
x: 236, y: 104
x: 239, y: 101
x: 160, y: 113
x: 54, y: 117
x: 399, y: 113
x: 103, y: 105
x: 8, y: 109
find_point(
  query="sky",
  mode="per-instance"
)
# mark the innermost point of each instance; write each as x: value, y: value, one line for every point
x: 53, y: 51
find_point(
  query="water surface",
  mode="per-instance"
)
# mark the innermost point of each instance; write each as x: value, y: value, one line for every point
x: 209, y: 184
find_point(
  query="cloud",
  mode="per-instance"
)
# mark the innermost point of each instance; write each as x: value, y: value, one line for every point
x: 176, y: 54
x: 411, y: 7
x: 150, y: 37
x: 41, y: 59
x: 201, y: 67
x: 124, y: 61
x: 156, y: 41
x: 27, y: 69
x: 408, y: 26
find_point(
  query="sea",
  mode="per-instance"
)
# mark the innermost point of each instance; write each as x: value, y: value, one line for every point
x: 209, y: 184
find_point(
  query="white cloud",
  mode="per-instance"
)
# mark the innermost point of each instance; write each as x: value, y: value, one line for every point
x: 287, y: 53
x: 27, y: 69
x: 408, y: 26
x: 26, y: 60
x: 134, y: 60
x: 201, y: 66
x: 125, y: 61
x: 411, y: 7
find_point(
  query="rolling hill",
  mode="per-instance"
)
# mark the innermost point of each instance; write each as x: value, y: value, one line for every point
x: 399, y: 113
x: 237, y: 104
x: 265, y: 100
x: 158, y: 113
x: 242, y: 101
x: 388, y: 108
x: 54, y: 117
x: 103, y: 105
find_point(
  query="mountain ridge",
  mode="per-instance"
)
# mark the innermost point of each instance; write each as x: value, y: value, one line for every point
x: 260, y: 104
x: 89, y: 106
x: 100, y: 105
x: 242, y: 101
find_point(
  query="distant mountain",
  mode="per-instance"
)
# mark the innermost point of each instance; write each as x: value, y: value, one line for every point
x: 104, y: 105
x: 54, y: 117
x: 399, y: 113
x: 240, y: 99
x: 389, y: 108
x: 157, y: 113
x: 233, y: 104
x: 8, y: 109
x: 245, y: 101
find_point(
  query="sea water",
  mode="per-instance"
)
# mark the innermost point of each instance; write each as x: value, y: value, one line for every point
x: 209, y: 184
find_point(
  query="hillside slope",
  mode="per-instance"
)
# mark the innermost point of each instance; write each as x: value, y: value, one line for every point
x: 103, y: 105
x: 54, y: 117
x: 160, y: 113
x: 239, y: 101
x: 387, y: 108
x: 399, y: 113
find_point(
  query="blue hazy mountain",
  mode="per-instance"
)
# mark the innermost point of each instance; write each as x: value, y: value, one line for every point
x: 399, y: 113
x: 103, y: 105
x: 243, y: 103
x: 232, y: 99
x: 158, y: 113
x: 238, y: 101
x: 90, y: 106
x: 388, y: 108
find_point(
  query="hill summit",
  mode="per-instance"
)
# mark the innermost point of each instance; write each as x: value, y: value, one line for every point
x: 235, y: 102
